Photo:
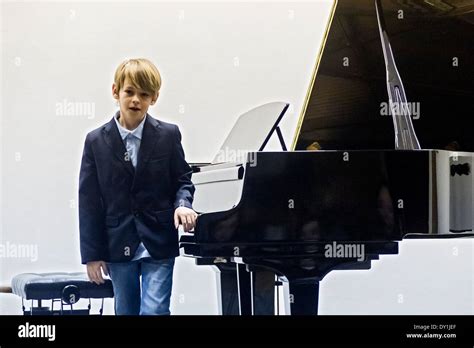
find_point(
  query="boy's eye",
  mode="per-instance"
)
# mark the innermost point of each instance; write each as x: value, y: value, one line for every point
x: 145, y: 94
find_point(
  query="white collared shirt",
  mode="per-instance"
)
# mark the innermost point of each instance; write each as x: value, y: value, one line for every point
x: 131, y: 138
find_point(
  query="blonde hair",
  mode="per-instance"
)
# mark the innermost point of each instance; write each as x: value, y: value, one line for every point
x: 142, y: 73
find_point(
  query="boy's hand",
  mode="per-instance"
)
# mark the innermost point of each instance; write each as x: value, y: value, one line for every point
x: 94, y: 271
x: 185, y: 216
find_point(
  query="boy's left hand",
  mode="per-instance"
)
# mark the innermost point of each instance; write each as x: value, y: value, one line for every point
x: 185, y: 216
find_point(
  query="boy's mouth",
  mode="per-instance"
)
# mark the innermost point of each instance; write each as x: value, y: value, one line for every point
x: 135, y: 109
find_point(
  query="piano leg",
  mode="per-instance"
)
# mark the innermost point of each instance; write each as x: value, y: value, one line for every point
x: 228, y: 289
x: 245, y: 282
x: 256, y: 288
x: 261, y: 294
x: 264, y: 292
x: 304, y: 298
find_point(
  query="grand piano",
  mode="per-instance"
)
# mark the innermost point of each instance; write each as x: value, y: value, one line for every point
x: 357, y: 181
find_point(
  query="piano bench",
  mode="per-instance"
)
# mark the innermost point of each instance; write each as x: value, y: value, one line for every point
x: 66, y: 288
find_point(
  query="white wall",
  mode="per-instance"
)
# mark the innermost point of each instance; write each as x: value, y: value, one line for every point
x: 218, y: 60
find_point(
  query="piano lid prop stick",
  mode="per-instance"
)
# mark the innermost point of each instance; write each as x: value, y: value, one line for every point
x: 405, y: 137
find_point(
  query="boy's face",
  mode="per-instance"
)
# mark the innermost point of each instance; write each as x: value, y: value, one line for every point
x: 134, y: 102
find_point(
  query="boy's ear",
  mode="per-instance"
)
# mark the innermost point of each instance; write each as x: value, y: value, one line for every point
x: 114, y: 91
x: 153, y: 101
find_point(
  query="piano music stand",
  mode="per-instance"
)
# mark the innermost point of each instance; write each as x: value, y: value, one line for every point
x: 246, y: 136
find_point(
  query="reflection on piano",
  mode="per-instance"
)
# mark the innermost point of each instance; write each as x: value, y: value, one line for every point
x: 294, y: 216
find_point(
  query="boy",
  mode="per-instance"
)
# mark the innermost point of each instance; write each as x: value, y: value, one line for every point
x: 134, y: 190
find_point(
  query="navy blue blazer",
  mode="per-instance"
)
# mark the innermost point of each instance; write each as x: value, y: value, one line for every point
x: 119, y: 206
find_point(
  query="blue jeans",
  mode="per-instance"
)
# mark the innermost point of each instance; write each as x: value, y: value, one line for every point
x: 157, y: 280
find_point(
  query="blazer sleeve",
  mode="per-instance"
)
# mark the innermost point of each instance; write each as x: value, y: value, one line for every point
x: 91, y: 211
x: 181, y: 172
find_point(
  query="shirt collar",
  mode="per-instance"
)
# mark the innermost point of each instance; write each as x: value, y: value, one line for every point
x: 137, y: 132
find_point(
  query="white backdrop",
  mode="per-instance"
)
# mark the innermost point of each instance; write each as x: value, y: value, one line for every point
x: 218, y: 60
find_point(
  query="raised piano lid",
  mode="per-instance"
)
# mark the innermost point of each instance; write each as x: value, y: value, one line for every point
x: 429, y: 43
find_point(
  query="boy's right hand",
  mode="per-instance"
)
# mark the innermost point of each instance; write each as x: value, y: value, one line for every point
x: 94, y: 273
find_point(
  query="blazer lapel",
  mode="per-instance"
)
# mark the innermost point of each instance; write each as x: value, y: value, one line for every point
x: 114, y: 141
x: 150, y: 135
